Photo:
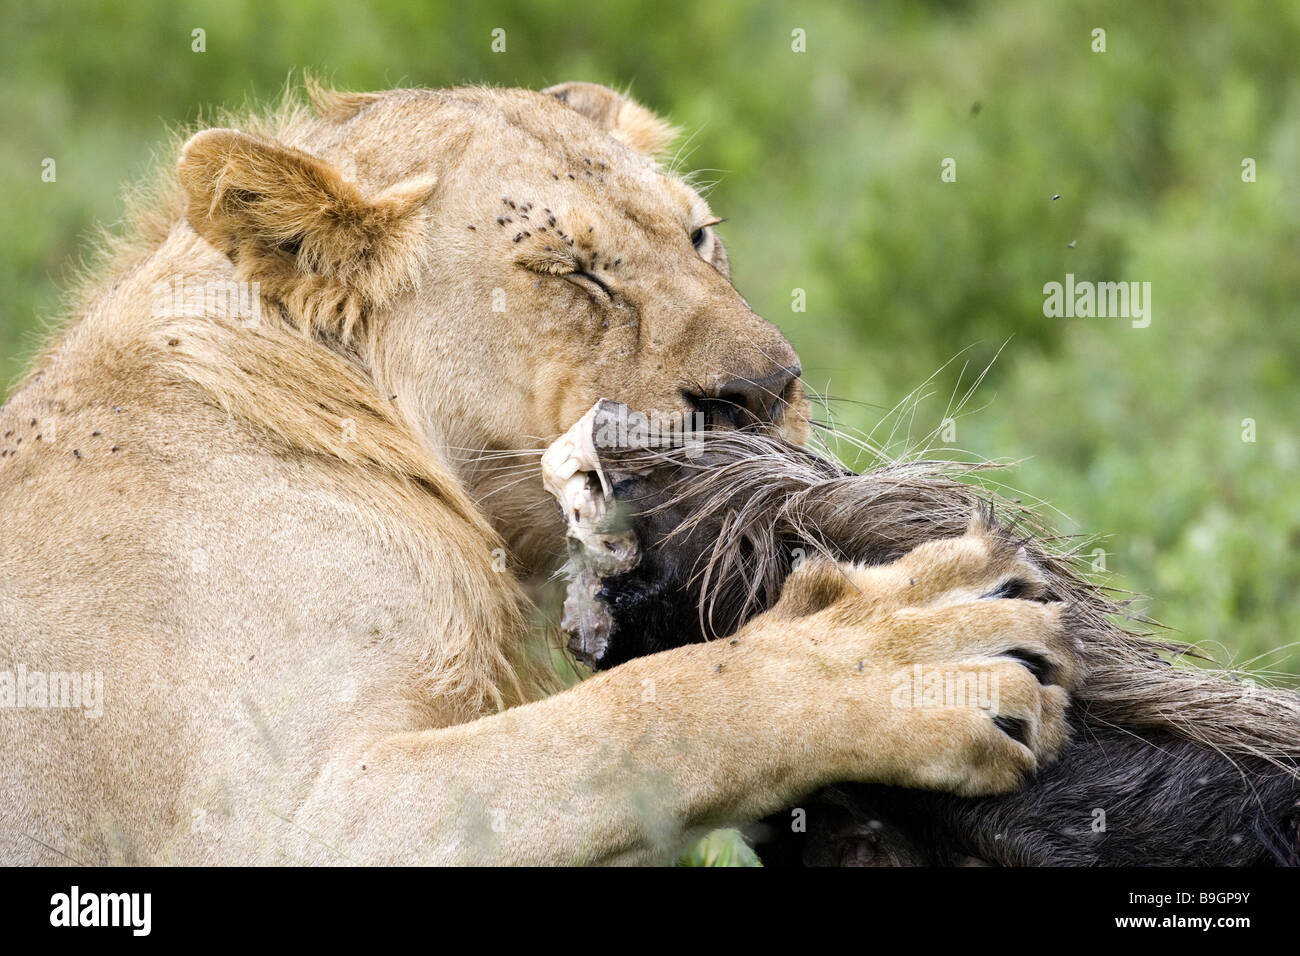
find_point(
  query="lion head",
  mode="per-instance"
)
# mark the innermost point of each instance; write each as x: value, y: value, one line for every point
x: 496, y: 260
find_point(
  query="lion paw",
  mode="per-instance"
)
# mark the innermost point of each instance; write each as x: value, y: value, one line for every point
x: 965, y: 662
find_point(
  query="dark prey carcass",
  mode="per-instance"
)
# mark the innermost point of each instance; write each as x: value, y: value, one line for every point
x: 1168, y: 765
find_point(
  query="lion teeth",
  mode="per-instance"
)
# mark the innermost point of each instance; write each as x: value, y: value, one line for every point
x: 572, y: 474
x: 568, y: 466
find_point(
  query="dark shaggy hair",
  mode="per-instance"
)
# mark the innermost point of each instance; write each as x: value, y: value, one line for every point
x: 1169, y: 764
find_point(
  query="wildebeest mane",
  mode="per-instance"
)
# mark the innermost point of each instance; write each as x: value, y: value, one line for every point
x: 1170, y: 763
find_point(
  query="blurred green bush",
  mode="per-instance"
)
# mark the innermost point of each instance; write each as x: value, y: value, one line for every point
x: 828, y: 168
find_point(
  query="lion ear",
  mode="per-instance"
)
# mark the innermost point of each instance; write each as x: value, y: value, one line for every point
x: 626, y: 120
x: 293, y: 223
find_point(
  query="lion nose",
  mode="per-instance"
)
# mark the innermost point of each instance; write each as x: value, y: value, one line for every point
x: 750, y: 400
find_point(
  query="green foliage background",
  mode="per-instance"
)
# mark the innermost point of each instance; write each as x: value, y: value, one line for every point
x: 828, y: 169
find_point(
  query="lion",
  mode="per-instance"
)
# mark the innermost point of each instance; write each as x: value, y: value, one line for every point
x: 276, y: 484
